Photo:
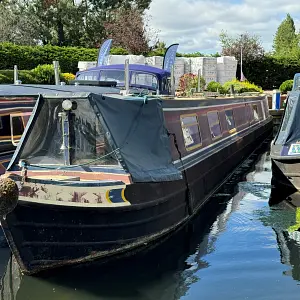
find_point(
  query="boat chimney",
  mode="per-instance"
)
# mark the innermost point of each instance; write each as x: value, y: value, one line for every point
x: 16, y: 79
x: 127, y: 78
x: 56, y: 72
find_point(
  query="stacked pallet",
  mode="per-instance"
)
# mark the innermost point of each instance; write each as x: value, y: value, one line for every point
x: 226, y: 68
x: 206, y: 65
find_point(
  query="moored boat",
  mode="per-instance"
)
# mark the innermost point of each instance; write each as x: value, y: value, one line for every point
x: 285, y: 148
x: 101, y: 173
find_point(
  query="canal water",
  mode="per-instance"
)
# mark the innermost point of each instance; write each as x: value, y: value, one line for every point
x: 239, y: 247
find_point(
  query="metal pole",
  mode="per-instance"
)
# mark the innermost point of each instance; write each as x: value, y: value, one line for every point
x: 173, y: 81
x: 127, y: 78
x: 16, y: 74
x: 56, y: 72
x: 199, y: 81
x: 241, y: 61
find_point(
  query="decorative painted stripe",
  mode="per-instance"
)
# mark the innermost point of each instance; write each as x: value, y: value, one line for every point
x: 91, y: 176
x: 116, y: 196
x: 206, y: 106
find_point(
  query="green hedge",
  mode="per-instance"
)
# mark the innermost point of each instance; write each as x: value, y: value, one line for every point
x: 269, y: 72
x: 29, y: 57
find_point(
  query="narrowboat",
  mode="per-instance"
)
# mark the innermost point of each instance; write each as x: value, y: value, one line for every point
x: 101, y: 173
x: 285, y: 147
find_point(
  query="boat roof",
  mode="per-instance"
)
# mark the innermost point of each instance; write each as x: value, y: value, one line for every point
x: 82, y: 91
x: 53, y: 90
x: 132, y: 67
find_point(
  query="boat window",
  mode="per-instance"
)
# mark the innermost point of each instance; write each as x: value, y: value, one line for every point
x: 230, y: 121
x: 113, y: 75
x: 88, y: 76
x: 214, y: 124
x: 144, y: 79
x: 255, y: 112
x: 87, y: 139
x: 16, y: 128
x: 190, y: 130
x: 1, y: 124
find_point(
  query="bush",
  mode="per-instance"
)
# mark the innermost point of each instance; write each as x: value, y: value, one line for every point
x: 286, y: 86
x: 44, y: 74
x: 189, y: 81
x: 214, y: 86
x: 67, y: 77
x: 241, y: 86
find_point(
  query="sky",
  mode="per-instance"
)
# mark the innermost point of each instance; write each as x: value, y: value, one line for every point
x: 196, y: 24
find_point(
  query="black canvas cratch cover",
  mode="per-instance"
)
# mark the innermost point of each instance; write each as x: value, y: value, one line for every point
x: 104, y: 130
x: 137, y: 128
x: 290, y: 127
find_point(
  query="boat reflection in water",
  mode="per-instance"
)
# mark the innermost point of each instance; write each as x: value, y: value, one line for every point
x: 284, y: 218
x: 166, y: 271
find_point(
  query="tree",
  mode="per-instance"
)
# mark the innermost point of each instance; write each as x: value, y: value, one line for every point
x: 141, y: 5
x: 61, y: 22
x: 250, y: 44
x: 127, y: 29
x: 286, y: 40
x: 16, y: 26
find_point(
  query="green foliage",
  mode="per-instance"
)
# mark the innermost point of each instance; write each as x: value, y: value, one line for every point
x: 214, y: 86
x: 44, y: 74
x: 118, y: 51
x: 3, y: 79
x: 251, y: 45
x: 27, y: 77
x: 29, y: 57
x: 60, y: 22
x: 269, y: 72
x: 67, y: 77
x: 286, y: 39
x: 190, y: 81
x: 241, y: 86
x: 286, y: 86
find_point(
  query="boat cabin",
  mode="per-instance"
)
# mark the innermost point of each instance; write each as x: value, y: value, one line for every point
x: 141, y: 77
